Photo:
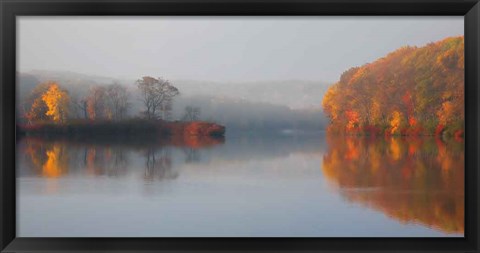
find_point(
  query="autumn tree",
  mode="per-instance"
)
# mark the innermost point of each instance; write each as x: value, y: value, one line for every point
x: 413, y: 90
x: 95, y: 103
x: 157, y: 96
x: 57, y: 101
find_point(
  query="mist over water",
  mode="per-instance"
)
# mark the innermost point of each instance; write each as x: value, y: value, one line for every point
x: 305, y: 185
x: 115, y: 117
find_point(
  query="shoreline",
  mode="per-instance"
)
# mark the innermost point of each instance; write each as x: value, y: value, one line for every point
x: 127, y: 128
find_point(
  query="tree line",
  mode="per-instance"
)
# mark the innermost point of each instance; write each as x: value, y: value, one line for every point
x: 49, y: 102
x: 411, y: 91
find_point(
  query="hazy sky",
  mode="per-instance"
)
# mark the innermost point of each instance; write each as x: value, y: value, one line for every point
x: 220, y: 48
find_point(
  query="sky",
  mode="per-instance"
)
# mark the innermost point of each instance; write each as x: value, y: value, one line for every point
x: 234, y: 49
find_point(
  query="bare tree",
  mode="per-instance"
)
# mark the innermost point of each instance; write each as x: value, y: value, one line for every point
x: 79, y: 107
x: 116, y: 101
x: 156, y: 95
x: 191, y: 113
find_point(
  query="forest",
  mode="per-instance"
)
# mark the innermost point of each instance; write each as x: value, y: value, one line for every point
x: 48, y: 102
x: 411, y: 91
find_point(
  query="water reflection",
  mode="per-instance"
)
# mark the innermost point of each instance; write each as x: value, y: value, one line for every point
x: 413, y: 180
x: 191, y: 155
x: 158, y: 165
x: 57, y: 158
x: 399, y: 186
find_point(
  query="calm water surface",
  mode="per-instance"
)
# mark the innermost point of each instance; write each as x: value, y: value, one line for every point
x: 308, y: 185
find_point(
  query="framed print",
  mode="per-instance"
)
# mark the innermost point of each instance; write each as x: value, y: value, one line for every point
x: 239, y: 126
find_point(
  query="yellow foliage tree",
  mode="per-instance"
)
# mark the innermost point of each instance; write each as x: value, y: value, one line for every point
x: 395, y: 121
x: 57, y: 101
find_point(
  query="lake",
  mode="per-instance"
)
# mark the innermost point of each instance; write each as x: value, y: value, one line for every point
x: 264, y: 185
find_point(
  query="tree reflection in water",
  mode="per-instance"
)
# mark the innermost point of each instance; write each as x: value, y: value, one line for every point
x: 46, y: 160
x: 104, y: 160
x: 412, y: 180
x: 56, y: 158
x: 158, y: 165
x: 418, y: 180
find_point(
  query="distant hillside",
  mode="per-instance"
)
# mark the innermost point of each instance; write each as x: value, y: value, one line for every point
x: 26, y: 83
x: 239, y: 114
x: 411, y: 91
x: 296, y: 94
x: 70, y: 77
x: 74, y: 82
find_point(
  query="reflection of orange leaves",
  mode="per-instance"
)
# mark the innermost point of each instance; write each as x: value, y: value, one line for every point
x: 108, y: 153
x: 402, y: 183
x: 443, y: 156
x: 375, y: 159
x: 90, y: 160
x: 53, y: 167
x: 412, y: 149
x: 330, y: 163
x: 352, y: 152
x: 395, y: 151
x: 413, y: 145
x: 406, y: 172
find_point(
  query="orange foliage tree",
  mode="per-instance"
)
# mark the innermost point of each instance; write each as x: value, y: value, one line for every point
x: 413, y: 90
x: 57, y: 101
x: 96, y: 103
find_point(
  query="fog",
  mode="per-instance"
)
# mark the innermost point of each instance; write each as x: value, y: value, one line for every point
x: 223, y: 49
x: 135, y: 158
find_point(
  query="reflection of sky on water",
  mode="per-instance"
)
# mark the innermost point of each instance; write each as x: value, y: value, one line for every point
x: 254, y: 186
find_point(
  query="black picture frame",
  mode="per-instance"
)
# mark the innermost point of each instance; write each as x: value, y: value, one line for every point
x: 470, y: 9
